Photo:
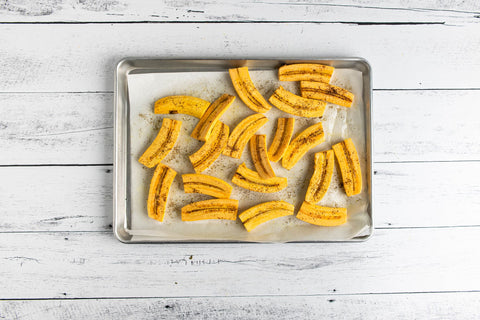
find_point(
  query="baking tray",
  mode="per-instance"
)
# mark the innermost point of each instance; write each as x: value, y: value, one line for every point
x: 124, y: 115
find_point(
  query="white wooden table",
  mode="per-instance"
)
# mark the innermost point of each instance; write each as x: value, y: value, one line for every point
x: 58, y: 256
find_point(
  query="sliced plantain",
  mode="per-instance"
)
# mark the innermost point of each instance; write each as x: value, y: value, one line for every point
x: 211, y: 209
x: 205, y: 184
x: 322, y: 176
x: 296, y: 105
x: 251, y: 180
x: 322, y: 216
x: 264, y: 212
x: 349, y: 163
x: 158, y: 194
x: 211, y: 149
x: 281, y: 140
x: 163, y: 143
x: 303, y: 142
x: 242, y: 133
x: 210, y: 117
x: 181, y: 104
x: 246, y: 90
x: 326, y: 92
x: 305, y: 71
x: 258, y: 150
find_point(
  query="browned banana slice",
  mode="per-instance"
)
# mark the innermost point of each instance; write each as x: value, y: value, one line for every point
x: 158, y: 194
x: 202, y: 183
x: 163, y: 143
x: 281, y: 140
x: 322, y: 176
x: 250, y: 180
x: 246, y: 90
x: 304, y: 141
x: 305, y: 71
x: 242, y: 133
x: 211, y: 209
x: 181, y: 104
x: 211, y: 149
x: 296, y: 105
x: 204, y: 127
x: 326, y: 92
x: 349, y: 162
x: 258, y: 149
x: 322, y: 216
x: 264, y: 212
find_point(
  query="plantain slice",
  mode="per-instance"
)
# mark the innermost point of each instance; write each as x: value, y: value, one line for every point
x: 246, y: 90
x: 211, y: 209
x: 242, y: 133
x: 326, y: 92
x: 251, y: 180
x: 349, y: 162
x: 281, y: 140
x: 264, y: 212
x: 163, y: 143
x: 258, y: 149
x: 210, y: 117
x: 322, y: 176
x: 296, y: 105
x: 181, y: 104
x: 158, y: 194
x: 305, y: 71
x: 205, y: 184
x: 322, y: 216
x: 211, y: 149
x: 303, y: 142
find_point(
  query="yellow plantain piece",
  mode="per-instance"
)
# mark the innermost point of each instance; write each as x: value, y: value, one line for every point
x: 304, y: 141
x: 181, y: 104
x: 296, y: 105
x: 205, y: 184
x: 163, y: 143
x: 211, y: 149
x: 264, y: 212
x: 246, y: 90
x: 305, y: 71
x: 158, y: 194
x: 208, y: 120
x: 258, y: 150
x: 326, y: 92
x: 251, y: 180
x: 322, y: 176
x: 211, y: 209
x: 349, y: 163
x: 322, y: 216
x: 242, y: 133
x: 281, y: 140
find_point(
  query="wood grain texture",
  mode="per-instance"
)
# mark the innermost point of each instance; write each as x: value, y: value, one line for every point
x: 181, y: 11
x: 71, y: 265
x: 73, y: 58
x: 435, y: 306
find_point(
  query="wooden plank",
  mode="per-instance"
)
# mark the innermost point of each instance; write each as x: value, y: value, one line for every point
x: 335, y: 10
x: 463, y: 305
x: 45, y: 58
x: 95, y: 265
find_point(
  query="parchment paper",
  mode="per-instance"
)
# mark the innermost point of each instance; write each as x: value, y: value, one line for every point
x: 339, y: 123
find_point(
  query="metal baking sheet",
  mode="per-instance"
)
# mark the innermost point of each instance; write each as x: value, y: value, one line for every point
x: 139, y: 82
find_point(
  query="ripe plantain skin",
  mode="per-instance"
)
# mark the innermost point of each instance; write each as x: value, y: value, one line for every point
x: 349, y: 163
x: 211, y: 149
x: 205, y: 184
x: 281, y: 140
x: 211, y: 209
x: 181, y: 104
x: 258, y: 150
x: 210, y: 117
x: 326, y: 92
x: 303, y: 142
x: 296, y: 105
x: 163, y: 143
x: 242, y: 133
x: 305, y: 71
x: 246, y: 90
x: 251, y: 180
x: 158, y: 194
x: 322, y: 216
x: 256, y: 215
x: 322, y: 176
